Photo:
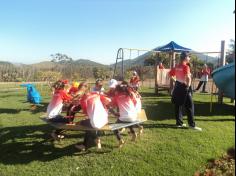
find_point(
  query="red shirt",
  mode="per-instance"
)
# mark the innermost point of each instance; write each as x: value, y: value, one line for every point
x: 180, y: 71
x: 93, y: 106
x: 126, y: 105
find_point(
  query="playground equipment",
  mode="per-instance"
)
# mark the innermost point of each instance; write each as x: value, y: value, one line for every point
x: 33, y: 95
x: 161, y: 78
x: 224, y: 78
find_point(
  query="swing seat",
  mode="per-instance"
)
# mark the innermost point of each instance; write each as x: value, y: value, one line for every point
x: 109, y: 127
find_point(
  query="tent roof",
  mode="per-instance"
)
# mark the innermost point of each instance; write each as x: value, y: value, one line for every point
x: 172, y: 46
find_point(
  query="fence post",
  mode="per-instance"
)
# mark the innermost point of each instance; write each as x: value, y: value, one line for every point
x: 222, y: 63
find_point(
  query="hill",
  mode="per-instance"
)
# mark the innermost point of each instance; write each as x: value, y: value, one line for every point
x: 88, y: 63
x: 139, y: 61
x: 4, y: 63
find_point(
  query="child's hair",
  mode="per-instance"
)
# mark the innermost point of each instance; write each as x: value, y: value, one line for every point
x: 124, y: 88
x: 58, y: 85
x: 85, y: 85
x: 99, y: 82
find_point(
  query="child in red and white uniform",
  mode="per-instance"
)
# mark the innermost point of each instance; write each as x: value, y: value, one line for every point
x: 134, y: 81
x: 125, y: 101
x: 74, y: 88
x: 138, y: 107
x: 94, y: 106
x: 74, y: 106
x: 55, y: 107
x: 59, y: 97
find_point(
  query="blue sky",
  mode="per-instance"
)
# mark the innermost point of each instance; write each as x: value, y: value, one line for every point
x: 32, y: 30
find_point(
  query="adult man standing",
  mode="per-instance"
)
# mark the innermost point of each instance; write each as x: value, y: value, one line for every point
x: 181, y: 95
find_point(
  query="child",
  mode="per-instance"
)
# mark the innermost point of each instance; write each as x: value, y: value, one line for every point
x: 125, y: 101
x: 98, y: 86
x: 74, y: 106
x: 94, y: 106
x: 134, y: 81
x: 55, y: 106
x: 112, y: 86
x: 74, y: 88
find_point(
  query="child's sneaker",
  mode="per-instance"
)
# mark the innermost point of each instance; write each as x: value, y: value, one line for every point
x: 98, y: 142
x: 140, y: 130
x: 122, y: 130
x: 121, y: 143
x: 60, y: 136
x: 54, y: 136
x: 134, y: 137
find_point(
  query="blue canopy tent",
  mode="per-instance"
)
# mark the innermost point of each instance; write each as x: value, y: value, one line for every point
x: 172, y: 48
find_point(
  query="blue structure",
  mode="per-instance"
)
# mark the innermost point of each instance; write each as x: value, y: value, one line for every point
x: 33, y: 95
x: 224, y: 78
x: 172, y: 46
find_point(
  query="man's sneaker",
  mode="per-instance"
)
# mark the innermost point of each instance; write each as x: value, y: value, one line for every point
x: 121, y: 143
x: 196, y: 128
x: 80, y: 147
x: 182, y: 126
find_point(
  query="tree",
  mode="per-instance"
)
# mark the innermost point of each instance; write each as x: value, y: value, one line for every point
x: 230, y: 57
x: 65, y: 64
x: 99, y: 73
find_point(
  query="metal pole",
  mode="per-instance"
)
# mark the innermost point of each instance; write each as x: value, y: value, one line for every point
x: 120, y: 55
x: 222, y: 63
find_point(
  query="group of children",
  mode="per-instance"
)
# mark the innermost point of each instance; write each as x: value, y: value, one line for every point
x: 122, y: 100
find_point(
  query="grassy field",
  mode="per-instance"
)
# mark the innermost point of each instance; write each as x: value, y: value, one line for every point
x: 162, y: 149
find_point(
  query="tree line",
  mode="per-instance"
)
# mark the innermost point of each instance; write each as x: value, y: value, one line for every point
x: 64, y: 67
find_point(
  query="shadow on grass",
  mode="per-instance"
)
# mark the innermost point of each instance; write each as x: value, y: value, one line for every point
x: 164, y: 110
x: 172, y: 126
x: 24, y: 144
x: 11, y: 111
x: 39, y: 108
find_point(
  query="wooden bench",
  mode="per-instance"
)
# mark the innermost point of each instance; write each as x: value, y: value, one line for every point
x: 109, y: 127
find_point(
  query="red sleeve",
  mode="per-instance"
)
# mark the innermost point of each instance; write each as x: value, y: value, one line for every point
x: 105, y: 100
x: 186, y: 70
x: 114, y: 100
x: 83, y: 104
x: 172, y: 72
x: 65, y: 96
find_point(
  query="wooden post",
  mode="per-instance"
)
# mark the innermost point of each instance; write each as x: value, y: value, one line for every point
x: 172, y: 65
x: 156, y: 83
x: 222, y: 63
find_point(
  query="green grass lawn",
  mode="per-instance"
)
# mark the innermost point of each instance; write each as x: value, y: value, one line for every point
x: 162, y: 149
